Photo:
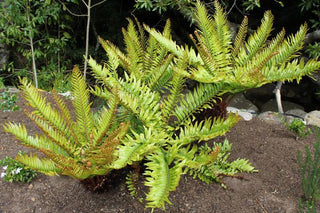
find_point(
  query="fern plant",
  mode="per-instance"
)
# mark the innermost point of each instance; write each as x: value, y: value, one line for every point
x: 79, y: 145
x: 239, y: 63
x: 166, y: 136
x: 170, y: 148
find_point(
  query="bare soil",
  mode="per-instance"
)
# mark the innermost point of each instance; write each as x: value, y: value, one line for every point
x: 271, y: 149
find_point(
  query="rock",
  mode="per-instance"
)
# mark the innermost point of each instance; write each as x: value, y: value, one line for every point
x: 66, y: 94
x: 298, y: 113
x: 313, y: 118
x: 271, y: 105
x: 9, y: 89
x: 241, y: 102
x: 270, y: 117
x: 246, y: 115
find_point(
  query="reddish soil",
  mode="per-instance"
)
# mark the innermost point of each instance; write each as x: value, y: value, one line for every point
x: 270, y: 148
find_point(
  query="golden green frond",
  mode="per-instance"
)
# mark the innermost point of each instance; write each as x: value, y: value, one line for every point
x: 206, y: 130
x: 135, y: 147
x: 134, y: 49
x: 81, y: 104
x: 261, y: 58
x: 37, y: 142
x: 142, y: 37
x: 289, y: 47
x: 42, y: 108
x: 161, y: 179
x: 65, y: 113
x: 256, y: 41
x: 160, y: 75
x: 206, y: 29
x: 214, y: 39
x: 104, y: 121
x: 53, y: 134
x: 195, y: 101
x: 43, y: 165
x: 198, y: 160
x: 240, y: 38
x: 223, y: 33
x: 175, y: 93
x: 172, y: 46
x: 139, y: 100
x: 294, y: 70
x: 115, y: 56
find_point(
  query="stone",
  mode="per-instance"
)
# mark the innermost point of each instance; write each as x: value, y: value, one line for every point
x: 298, y: 113
x: 241, y: 102
x: 246, y: 115
x: 9, y: 89
x: 313, y: 118
x: 271, y: 105
x: 270, y: 117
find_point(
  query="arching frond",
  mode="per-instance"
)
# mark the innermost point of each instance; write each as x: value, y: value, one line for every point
x: 159, y: 76
x: 206, y: 130
x: 65, y: 113
x: 137, y: 146
x: 134, y: 48
x: 104, y: 121
x: 240, y: 37
x: 115, y: 56
x: 195, y: 101
x: 42, y: 108
x: 43, y: 165
x: 294, y: 70
x: 256, y: 41
x: 161, y: 179
x: 175, y: 93
x: 216, y: 55
x: 81, y: 104
x: 54, y: 135
x: 37, y: 142
x: 173, y: 47
x: 289, y: 47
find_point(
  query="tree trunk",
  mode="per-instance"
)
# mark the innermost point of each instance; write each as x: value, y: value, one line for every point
x: 277, y: 91
x: 34, y: 68
x: 87, y: 39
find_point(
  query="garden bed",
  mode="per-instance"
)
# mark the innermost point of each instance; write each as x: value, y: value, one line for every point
x: 271, y: 149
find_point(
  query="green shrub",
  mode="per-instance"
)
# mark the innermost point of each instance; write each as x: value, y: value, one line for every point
x: 8, y: 101
x: 13, y: 170
x: 298, y: 127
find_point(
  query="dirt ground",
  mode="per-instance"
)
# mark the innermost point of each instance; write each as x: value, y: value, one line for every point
x: 270, y: 148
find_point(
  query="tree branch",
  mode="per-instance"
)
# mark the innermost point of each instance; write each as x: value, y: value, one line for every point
x: 98, y: 3
x: 72, y: 13
x: 85, y: 3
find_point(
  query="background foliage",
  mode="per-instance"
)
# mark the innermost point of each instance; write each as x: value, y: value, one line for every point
x: 58, y: 35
